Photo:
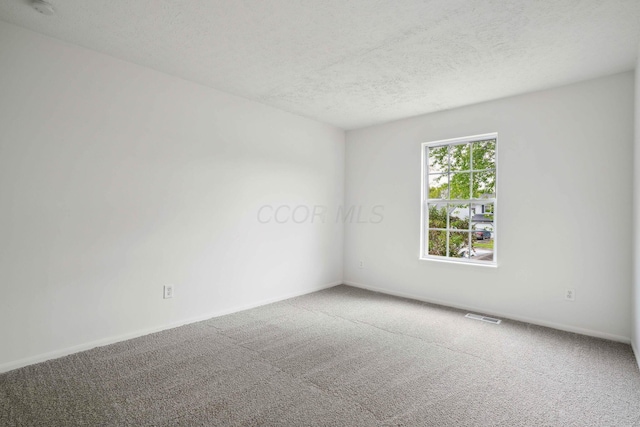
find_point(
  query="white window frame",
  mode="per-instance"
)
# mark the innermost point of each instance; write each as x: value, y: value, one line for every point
x: 424, y: 203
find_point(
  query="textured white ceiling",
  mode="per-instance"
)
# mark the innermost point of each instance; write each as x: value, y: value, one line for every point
x: 353, y: 63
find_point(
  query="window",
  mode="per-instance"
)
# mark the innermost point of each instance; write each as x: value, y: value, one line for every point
x: 459, y: 200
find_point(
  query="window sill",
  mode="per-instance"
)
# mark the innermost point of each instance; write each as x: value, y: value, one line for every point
x: 453, y: 261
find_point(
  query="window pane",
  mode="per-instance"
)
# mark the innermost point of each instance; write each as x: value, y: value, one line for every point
x: 437, y: 215
x: 458, y: 244
x: 437, y: 243
x: 459, y: 216
x: 483, y: 240
x: 439, y: 186
x: 484, y: 155
x: 439, y: 159
x: 483, y: 217
x: 489, y: 210
x: 460, y: 157
x: 460, y: 193
x: 460, y: 185
x: 484, y: 184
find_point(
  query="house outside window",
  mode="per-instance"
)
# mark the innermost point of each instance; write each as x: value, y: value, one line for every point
x: 459, y: 200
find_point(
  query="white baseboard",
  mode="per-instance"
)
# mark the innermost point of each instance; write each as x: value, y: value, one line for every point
x: 5, y: 367
x: 635, y: 351
x: 479, y: 310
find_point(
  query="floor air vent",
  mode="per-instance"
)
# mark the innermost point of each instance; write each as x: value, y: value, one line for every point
x: 483, y: 318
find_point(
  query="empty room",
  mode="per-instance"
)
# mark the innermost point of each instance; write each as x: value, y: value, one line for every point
x: 320, y: 213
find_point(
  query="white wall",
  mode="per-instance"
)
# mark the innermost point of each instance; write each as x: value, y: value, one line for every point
x: 636, y: 219
x: 116, y: 180
x: 564, y: 183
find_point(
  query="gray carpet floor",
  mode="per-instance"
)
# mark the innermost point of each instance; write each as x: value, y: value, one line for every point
x: 339, y: 357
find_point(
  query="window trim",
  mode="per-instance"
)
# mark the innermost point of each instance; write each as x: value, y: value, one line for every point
x: 424, y: 202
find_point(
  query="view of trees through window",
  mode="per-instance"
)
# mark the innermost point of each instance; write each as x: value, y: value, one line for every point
x: 460, y: 199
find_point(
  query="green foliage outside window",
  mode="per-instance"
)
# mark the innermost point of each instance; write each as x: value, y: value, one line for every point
x: 438, y: 239
x: 453, y: 164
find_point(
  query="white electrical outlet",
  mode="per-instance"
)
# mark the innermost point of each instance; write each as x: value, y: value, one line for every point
x: 168, y: 291
x: 570, y: 294
x: 361, y: 264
